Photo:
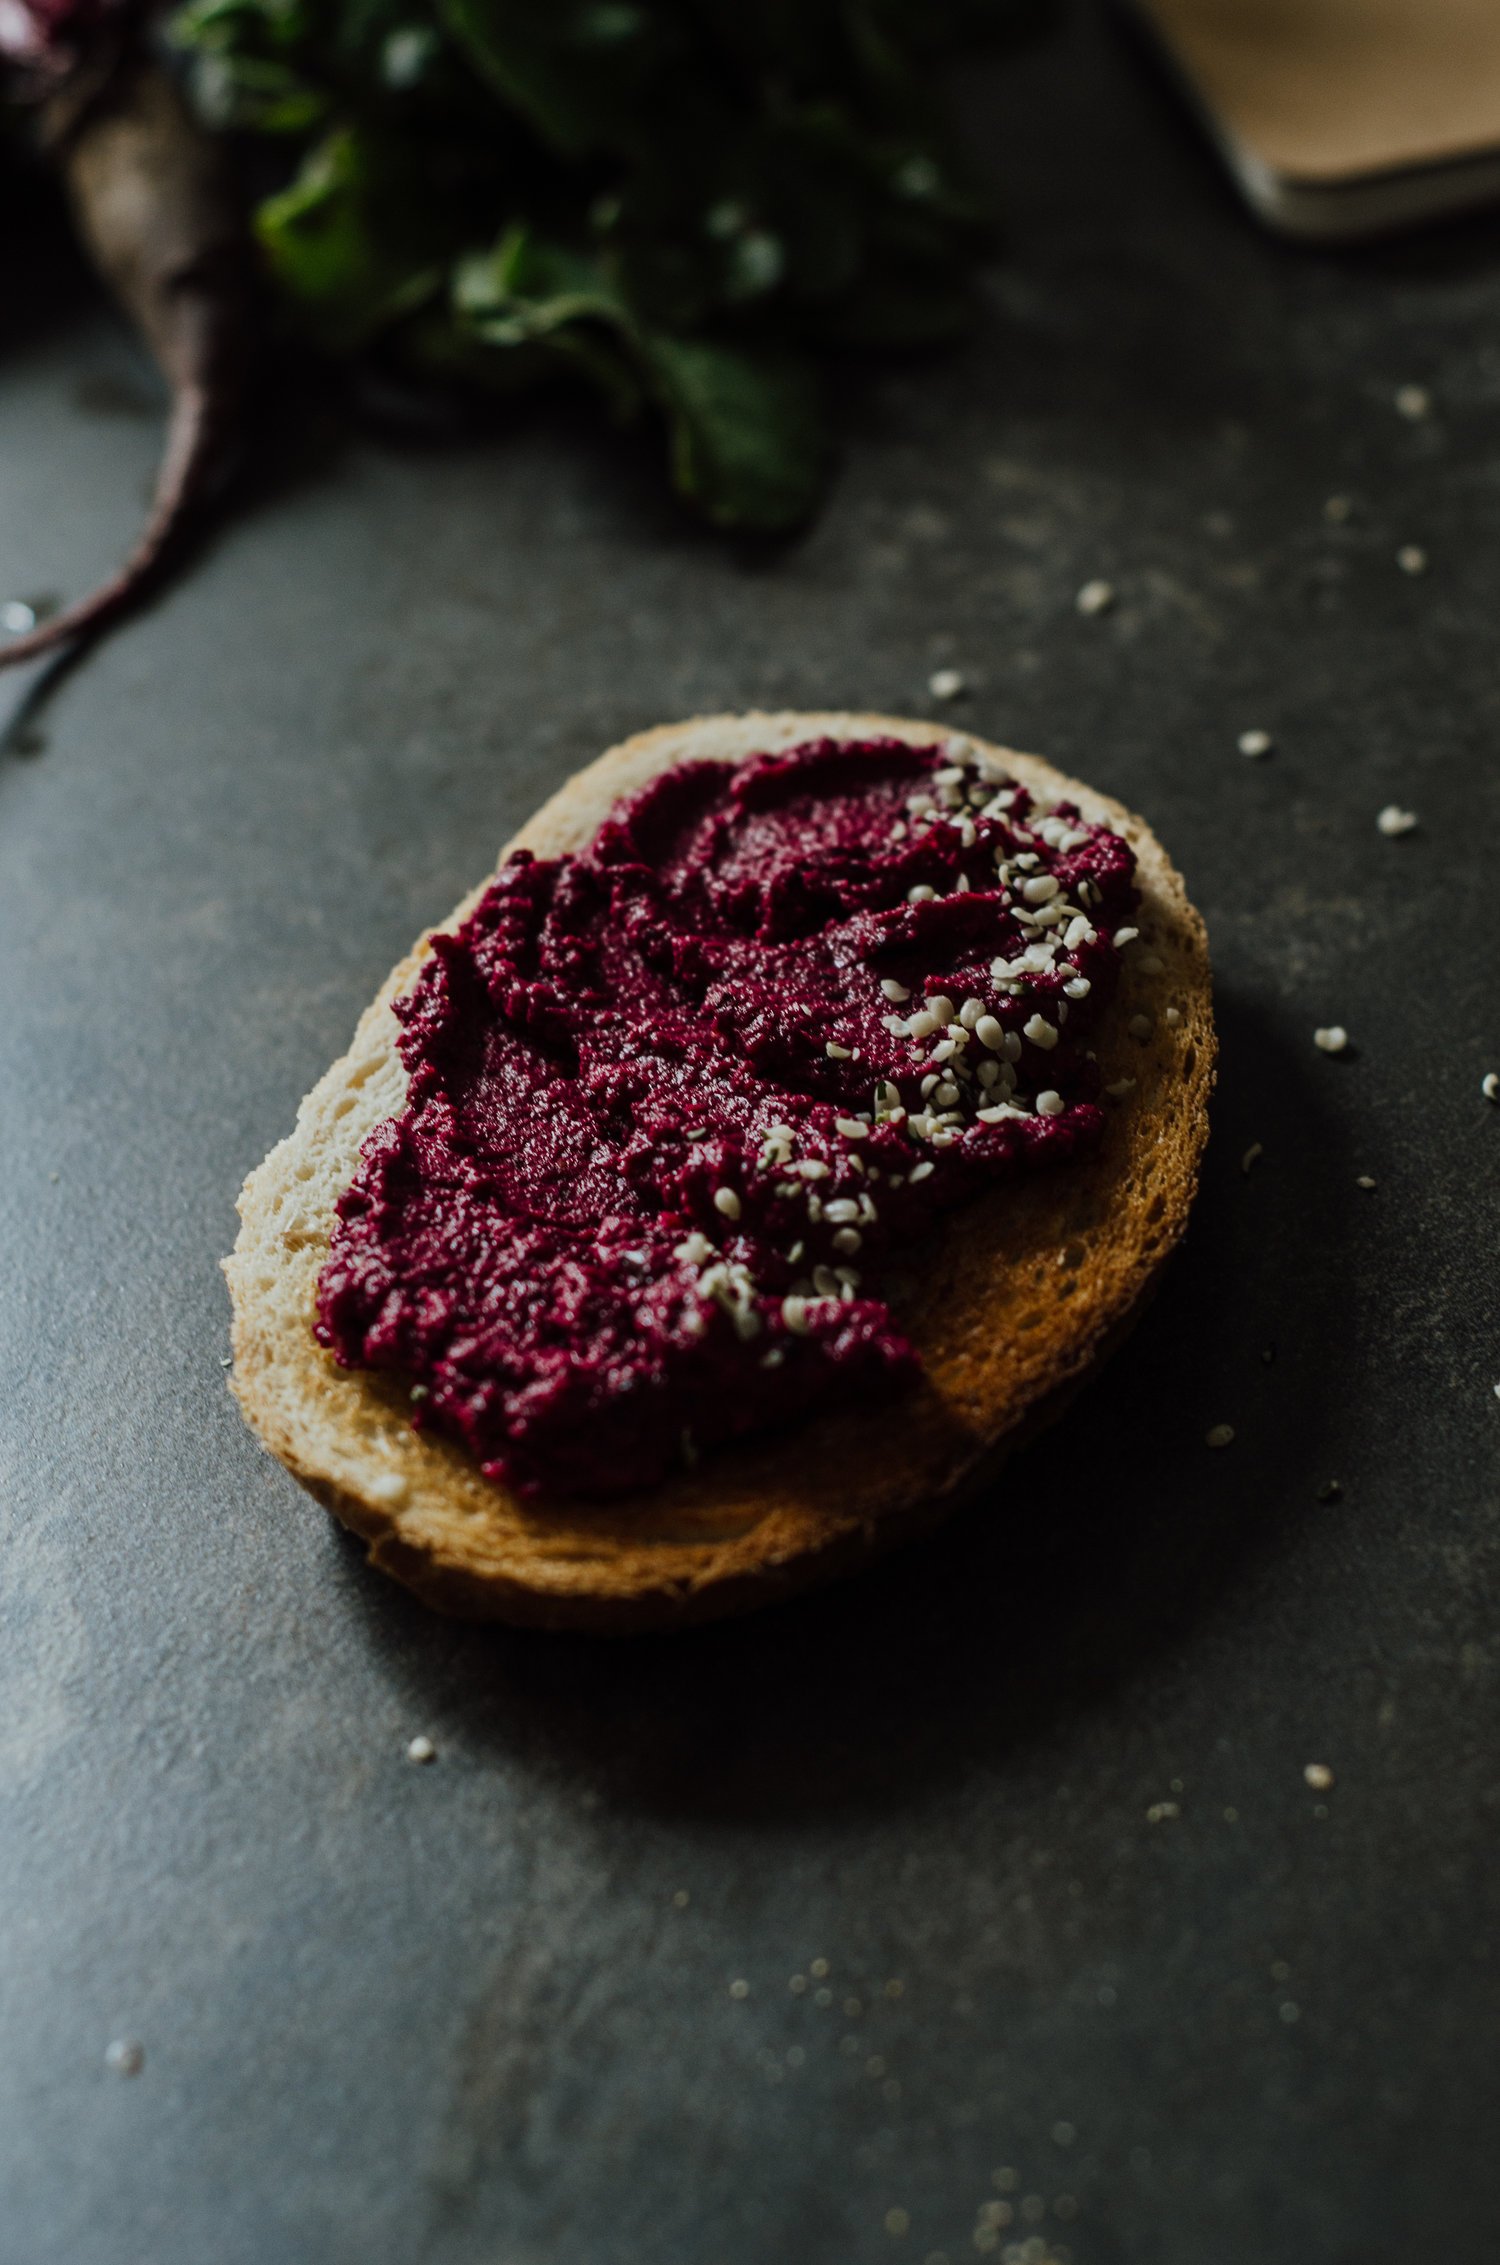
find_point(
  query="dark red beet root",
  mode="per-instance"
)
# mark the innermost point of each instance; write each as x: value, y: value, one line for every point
x: 156, y: 207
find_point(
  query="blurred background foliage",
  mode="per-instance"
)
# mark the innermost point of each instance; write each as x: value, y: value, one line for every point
x: 685, y: 204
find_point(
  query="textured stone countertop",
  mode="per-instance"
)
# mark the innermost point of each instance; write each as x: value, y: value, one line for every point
x: 1044, y: 1936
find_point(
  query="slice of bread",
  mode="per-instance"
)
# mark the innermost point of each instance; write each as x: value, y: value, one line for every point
x: 1012, y: 1300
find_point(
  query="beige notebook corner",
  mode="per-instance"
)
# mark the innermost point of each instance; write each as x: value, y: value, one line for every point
x: 1343, y: 118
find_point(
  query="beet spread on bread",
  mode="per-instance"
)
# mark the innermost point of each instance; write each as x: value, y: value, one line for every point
x: 802, y: 1108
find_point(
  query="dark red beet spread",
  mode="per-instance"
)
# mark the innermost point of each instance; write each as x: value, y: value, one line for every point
x: 671, y: 1101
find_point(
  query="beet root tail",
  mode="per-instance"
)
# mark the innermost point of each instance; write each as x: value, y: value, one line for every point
x: 156, y: 206
x: 188, y: 460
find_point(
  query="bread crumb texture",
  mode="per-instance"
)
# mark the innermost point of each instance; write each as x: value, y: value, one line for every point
x: 1011, y: 1301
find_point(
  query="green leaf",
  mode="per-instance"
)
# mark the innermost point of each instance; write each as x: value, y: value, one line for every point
x: 530, y: 293
x: 749, y: 445
x: 342, y: 241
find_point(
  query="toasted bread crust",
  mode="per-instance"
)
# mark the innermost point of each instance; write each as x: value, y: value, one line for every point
x: 1014, y: 1298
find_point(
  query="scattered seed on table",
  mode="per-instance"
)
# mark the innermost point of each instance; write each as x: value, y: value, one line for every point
x: 1412, y: 559
x: 739, y: 1989
x: 1489, y: 1085
x: 947, y: 684
x: 1252, y: 1155
x: 1219, y: 1435
x: 421, y: 1750
x: 1364, y: 1181
x: 1095, y: 597
x: 125, y: 2057
x: 1413, y: 401
x: 1338, y: 508
x: 1255, y: 743
x: 1393, y: 820
x: 1330, y: 1491
x: 1319, y: 1776
x: 1333, y: 1040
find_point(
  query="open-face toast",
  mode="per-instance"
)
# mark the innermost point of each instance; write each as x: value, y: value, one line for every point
x: 1010, y: 1300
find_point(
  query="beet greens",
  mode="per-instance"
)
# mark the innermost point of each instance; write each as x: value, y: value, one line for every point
x: 685, y: 205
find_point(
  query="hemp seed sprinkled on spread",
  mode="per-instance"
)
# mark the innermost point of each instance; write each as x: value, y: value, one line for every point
x: 673, y: 1100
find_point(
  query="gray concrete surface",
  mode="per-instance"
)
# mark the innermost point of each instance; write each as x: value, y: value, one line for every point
x: 480, y: 2013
